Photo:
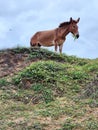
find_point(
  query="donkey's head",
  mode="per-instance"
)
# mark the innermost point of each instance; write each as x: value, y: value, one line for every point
x: 73, y: 28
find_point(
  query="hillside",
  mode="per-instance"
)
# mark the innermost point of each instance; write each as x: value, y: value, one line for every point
x: 43, y: 90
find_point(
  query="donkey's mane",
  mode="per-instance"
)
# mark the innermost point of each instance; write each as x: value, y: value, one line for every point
x: 64, y: 24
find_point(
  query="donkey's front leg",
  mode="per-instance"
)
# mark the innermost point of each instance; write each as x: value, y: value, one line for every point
x: 60, y: 48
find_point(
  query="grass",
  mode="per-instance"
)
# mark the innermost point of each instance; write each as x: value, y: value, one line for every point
x: 56, y: 92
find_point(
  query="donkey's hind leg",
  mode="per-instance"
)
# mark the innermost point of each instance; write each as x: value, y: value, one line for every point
x: 35, y: 45
x: 39, y: 45
x: 56, y: 46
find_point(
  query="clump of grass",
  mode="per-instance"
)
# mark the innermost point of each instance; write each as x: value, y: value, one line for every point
x: 3, y: 82
x: 91, y: 124
x: 74, y: 37
x: 69, y: 125
x: 91, y: 92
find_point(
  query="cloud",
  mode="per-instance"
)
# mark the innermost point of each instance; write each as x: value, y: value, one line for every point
x: 19, y: 20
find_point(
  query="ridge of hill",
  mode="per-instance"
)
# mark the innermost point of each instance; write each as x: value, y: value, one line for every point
x: 43, y: 90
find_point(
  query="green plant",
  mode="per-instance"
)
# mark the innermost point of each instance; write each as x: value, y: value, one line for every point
x: 68, y: 125
x: 91, y: 124
x: 3, y: 82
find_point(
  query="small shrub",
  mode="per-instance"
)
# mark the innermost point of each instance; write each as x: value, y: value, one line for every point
x: 91, y: 124
x: 68, y: 125
x: 3, y: 82
x: 79, y: 75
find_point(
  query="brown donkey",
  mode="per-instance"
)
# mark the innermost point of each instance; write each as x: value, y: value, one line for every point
x: 57, y: 36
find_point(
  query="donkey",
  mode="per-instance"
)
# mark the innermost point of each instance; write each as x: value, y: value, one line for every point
x: 57, y: 36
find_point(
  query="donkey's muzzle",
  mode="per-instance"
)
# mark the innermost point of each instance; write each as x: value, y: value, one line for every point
x: 77, y: 36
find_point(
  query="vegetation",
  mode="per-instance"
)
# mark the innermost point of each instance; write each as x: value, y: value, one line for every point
x: 43, y: 90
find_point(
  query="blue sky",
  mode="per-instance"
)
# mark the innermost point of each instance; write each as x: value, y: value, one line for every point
x: 20, y: 19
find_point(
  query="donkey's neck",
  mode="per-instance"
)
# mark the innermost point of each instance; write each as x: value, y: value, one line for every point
x: 64, y: 31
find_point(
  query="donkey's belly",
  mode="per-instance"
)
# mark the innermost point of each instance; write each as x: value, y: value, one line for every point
x: 47, y: 43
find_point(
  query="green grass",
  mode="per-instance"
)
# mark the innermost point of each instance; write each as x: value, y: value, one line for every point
x: 56, y: 92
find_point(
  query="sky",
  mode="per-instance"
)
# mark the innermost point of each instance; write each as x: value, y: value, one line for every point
x: 20, y: 19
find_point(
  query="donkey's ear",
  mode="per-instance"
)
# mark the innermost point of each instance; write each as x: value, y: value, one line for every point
x: 78, y: 20
x: 70, y: 19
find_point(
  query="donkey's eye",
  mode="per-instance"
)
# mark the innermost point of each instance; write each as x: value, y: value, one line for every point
x: 74, y: 26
